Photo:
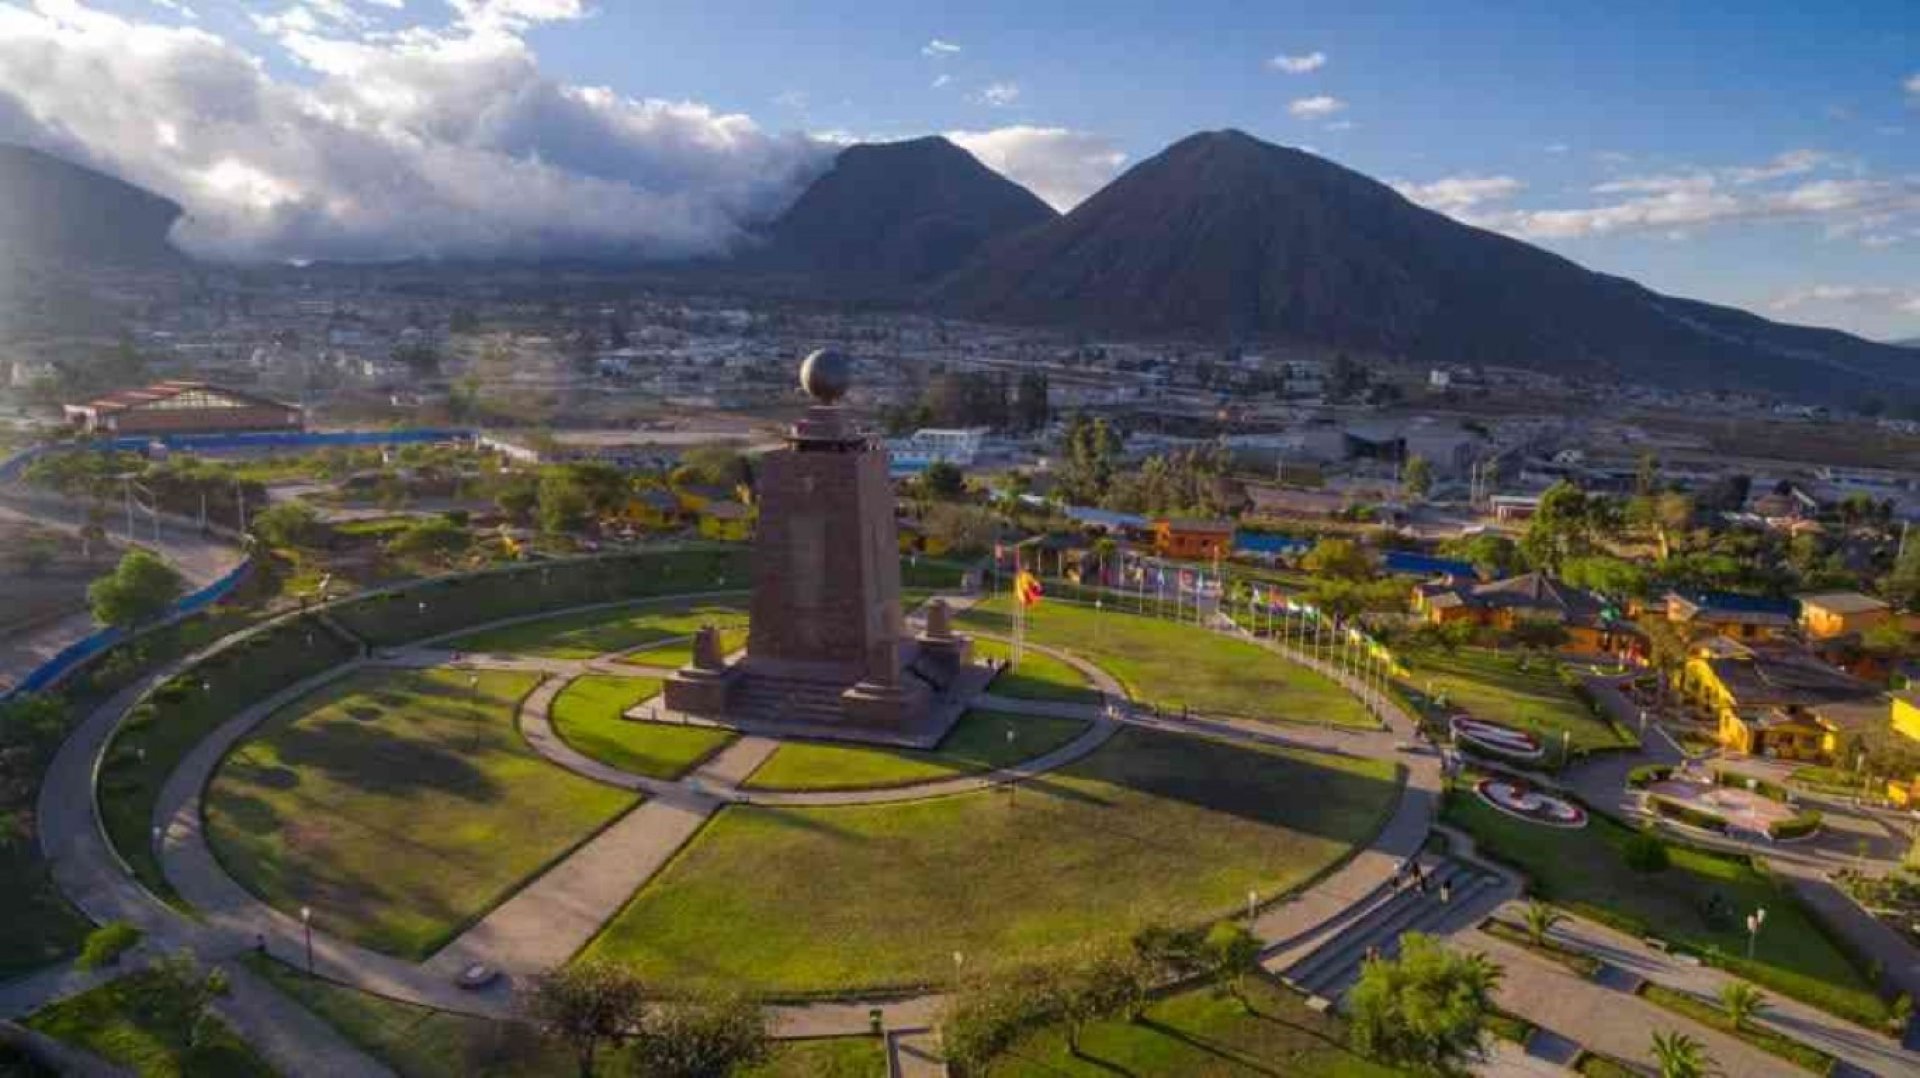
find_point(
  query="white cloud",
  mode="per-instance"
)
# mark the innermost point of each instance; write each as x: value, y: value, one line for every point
x: 1869, y: 297
x: 1298, y: 65
x: 941, y: 80
x: 1556, y: 148
x: 998, y: 94
x: 1875, y: 211
x: 437, y: 140
x: 1912, y: 86
x: 1457, y: 195
x: 938, y: 48
x: 1339, y: 125
x: 1313, y: 108
x: 1060, y: 165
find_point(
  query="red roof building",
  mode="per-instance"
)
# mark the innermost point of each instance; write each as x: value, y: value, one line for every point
x: 182, y: 408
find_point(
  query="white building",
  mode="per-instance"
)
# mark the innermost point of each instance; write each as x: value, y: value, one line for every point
x: 954, y: 445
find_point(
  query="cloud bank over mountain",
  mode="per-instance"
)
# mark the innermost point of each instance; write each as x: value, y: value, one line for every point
x: 388, y: 140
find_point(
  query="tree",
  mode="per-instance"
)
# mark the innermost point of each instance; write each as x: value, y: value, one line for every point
x: 965, y: 529
x: 698, y: 1038
x: 1741, y: 1001
x: 430, y: 537
x: 140, y: 588
x: 1680, y: 1056
x: 1539, y: 634
x: 191, y: 986
x: 1100, y: 985
x: 1341, y: 559
x: 1562, y: 528
x: 518, y: 497
x: 1902, y: 583
x: 1233, y: 955
x: 288, y: 524
x: 1491, y: 553
x: 943, y: 480
x: 1541, y: 918
x: 713, y: 466
x: 585, y: 1006
x: 1031, y: 409
x: 1416, y: 478
x: 1426, y: 1009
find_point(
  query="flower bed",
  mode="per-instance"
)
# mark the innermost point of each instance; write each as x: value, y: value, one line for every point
x: 1534, y: 806
x: 1498, y: 737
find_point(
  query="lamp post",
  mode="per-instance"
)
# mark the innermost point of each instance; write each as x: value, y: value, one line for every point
x: 1754, y: 920
x: 306, y: 923
x: 1253, y: 906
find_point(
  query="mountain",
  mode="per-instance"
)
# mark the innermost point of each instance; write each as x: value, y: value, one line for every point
x: 896, y: 213
x: 1228, y: 237
x: 54, y: 211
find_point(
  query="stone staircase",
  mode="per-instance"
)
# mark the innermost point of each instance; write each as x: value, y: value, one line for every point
x: 1329, y: 969
x: 765, y: 699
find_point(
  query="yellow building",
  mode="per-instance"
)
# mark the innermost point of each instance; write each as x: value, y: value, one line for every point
x: 1906, y: 713
x: 1777, y: 701
x: 728, y: 522
x: 1841, y: 613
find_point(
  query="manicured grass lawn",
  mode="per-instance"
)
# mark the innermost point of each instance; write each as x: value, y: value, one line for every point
x: 400, y: 805
x: 978, y: 742
x: 140, y: 1022
x: 1584, y: 871
x: 586, y: 633
x: 1492, y: 686
x: 1152, y: 826
x: 1175, y: 666
x: 1038, y: 677
x: 159, y: 732
x: 420, y: 1042
x: 1202, y: 1033
x: 587, y: 716
x: 678, y: 654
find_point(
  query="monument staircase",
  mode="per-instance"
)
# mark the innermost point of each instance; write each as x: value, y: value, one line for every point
x: 768, y: 698
x: 1331, y: 967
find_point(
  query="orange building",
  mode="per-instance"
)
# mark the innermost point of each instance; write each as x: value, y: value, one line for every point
x: 182, y: 408
x: 1591, y: 626
x: 1840, y: 613
x: 1193, y: 540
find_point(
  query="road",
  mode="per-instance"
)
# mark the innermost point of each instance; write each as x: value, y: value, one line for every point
x: 201, y: 559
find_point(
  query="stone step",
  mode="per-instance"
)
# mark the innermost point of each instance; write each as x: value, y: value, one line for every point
x: 1387, y: 904
x: 1431, y: 917
x: 788, y: 699
x: 1403, y: 913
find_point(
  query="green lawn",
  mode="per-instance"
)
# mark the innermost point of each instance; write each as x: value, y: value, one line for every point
x: 160, y: 731
x: 1175, y: 666
x: 1492, y: 686
x: 1584, y: 871
x: 420, y: 1042
x: 978, y: 742
x: 400, y: 805
x: 679, y: 653
x: 586, y: 633
x: 1201, y: 1033
x: 1038, y: 677
x: 140, y: 1022
x: 1152, y: 826
x: 587, y: 716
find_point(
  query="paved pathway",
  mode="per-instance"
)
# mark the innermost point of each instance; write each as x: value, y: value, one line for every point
x: 1863, y: 1048
x: 1602, y: 1019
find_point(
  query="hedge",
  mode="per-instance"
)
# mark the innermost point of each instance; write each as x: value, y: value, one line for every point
x: 1647, y: 774
x: 1806, y: 823
x: 1675, y: 811
x: 1772, y: 791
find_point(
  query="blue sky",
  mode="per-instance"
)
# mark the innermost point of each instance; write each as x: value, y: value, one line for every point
x: 1760, y: 154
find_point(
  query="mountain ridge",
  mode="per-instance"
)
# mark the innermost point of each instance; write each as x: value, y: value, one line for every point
x: 53, y: 210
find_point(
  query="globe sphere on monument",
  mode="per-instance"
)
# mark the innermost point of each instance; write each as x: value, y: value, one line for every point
x: 826, y: 375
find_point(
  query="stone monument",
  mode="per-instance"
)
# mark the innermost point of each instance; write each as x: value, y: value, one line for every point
x: 827, y: 647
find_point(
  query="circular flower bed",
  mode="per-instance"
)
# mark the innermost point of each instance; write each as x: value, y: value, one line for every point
x: 1516, y: 799
x: 1506, y: 740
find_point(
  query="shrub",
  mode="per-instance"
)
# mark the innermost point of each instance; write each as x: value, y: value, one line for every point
x: 1800, y: 826
x: 1675, y: 811
x: 1646, y: 852
x: 1770, y: 790
x: 106, y: 944
x: 1647, y: 774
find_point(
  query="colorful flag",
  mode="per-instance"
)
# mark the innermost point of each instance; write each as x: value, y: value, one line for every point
x: 1027, y: 588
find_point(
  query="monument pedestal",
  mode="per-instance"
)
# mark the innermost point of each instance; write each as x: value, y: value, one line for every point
x: 826, y: 646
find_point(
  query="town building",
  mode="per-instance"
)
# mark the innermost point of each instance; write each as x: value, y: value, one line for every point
x: 928, y: 445
x: 1193, y: 540
x: 1738, y: 617
x: 182, y: 408
x: 1592, y: 626
x: 1841, y: 613
x: 1778, y: 700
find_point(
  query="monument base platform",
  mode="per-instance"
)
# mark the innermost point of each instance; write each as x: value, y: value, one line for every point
x: 911, y: 716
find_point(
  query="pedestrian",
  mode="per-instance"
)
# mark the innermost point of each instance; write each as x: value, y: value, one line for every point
x: 260, y: 943
x: 1446, y: 892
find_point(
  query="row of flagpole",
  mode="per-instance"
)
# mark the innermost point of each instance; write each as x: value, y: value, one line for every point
x: 1322, y: 638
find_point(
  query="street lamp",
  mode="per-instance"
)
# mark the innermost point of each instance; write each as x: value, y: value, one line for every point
x: 1754, y: 920
x: 306, y: 922
x: 1253, y: 905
